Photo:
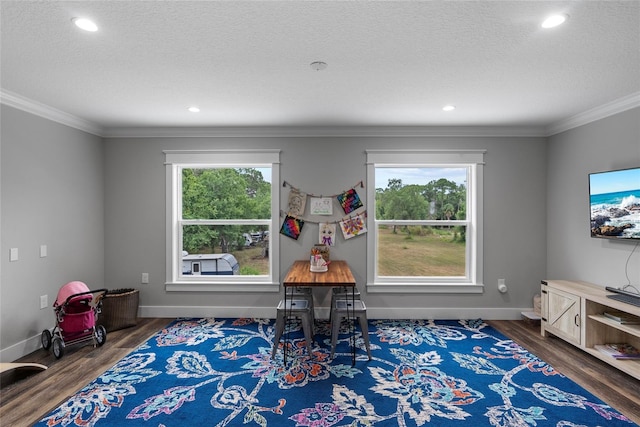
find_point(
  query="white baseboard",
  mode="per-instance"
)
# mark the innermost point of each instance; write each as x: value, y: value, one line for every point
x: 32, y: 344
x: 21, y: 349
x: 206, y: 311
x: 323, y: 312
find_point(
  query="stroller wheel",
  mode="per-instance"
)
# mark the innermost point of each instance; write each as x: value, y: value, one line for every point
x: 101, y: 335
x: 58, y: 347
x: 45, y: 338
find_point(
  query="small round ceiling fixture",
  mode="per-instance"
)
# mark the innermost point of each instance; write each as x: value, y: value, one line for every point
x: 194, y: 109
x: 85, y: 24
x: 318, y: 65
x: 554, y: 20
x: 448, y: 108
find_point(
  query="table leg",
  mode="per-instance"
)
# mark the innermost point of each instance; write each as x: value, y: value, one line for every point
x: 287, y: 315
x: 353, y: 325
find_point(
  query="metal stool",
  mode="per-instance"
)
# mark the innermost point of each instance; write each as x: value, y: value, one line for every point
x: 303, y: 292
x: 344, y: 293
x: 295, y: 308
x: 344, y: 309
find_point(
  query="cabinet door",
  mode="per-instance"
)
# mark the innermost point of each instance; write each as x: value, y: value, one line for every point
x: 563, y: 315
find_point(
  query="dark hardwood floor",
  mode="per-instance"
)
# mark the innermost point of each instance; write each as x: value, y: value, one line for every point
x: 619, y: 390
x: 27, y: 396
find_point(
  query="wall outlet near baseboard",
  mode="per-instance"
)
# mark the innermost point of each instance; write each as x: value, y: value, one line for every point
x: 502, y: 287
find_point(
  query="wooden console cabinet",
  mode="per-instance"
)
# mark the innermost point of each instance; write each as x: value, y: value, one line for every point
x: 574, y: 312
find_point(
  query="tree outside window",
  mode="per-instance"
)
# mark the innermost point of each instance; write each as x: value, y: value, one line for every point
x: 227, y: 195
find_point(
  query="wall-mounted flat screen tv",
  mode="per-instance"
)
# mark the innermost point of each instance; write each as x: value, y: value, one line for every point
x: 614, y: 202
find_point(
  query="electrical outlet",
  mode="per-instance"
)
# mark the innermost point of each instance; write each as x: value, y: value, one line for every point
x: 44, y: 301
x: 145, y: 278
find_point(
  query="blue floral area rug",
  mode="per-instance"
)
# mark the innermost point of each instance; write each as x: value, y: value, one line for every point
x: 219, y: 372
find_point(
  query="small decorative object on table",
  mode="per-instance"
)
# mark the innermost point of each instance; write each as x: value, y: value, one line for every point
x: 323, y: 250
x: 318, y: 263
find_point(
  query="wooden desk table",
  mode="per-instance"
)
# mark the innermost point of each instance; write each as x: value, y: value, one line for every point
x: 338, y: 275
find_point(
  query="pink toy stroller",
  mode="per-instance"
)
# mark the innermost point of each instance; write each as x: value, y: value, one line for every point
x: 76, y: 309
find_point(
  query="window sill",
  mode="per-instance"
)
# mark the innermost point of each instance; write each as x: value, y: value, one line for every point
x: 221, y: 287
x: 424, y: 288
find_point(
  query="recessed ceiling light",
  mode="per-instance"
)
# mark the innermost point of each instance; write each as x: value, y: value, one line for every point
x: 318, y: 65
x: 194, y: 109
x: 85, y: 24
x: 554, y: 20
x: 448, y: 108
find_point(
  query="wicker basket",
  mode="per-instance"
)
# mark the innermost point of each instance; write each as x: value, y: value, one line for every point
x: 119, y: 309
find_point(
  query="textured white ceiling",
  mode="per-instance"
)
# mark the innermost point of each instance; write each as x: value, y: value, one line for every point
x: 390, y: 63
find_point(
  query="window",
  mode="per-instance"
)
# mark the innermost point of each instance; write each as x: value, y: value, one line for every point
x: 220, y: 216
x: 424, y: 220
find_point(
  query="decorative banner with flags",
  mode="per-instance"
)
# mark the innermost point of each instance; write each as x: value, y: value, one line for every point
x: 349, y: 200
x: 353, y: 226
x: 320, y: 204
x: 292, y: 227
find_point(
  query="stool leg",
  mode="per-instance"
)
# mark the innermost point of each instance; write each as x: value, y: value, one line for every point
x: 312, y: 313
x: 279, y: 331
x: 335, y: 330
x: 364, y: 326
x: 308, y: 332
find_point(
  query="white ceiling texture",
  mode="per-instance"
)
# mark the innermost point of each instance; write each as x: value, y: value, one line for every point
x: 391, y: 64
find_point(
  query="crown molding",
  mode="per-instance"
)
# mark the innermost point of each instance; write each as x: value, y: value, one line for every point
x: 30, y: 106
x: 326, y: 131
x: 614, y: 107
x: 25, y: 104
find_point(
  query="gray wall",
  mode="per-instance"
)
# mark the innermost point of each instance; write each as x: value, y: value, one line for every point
x: 610, y: 143
x: 99, y: 207
x: 53, y: 195
x: 514, y: 220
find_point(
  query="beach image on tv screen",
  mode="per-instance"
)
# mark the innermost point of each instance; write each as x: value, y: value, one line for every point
x: 615, y: 204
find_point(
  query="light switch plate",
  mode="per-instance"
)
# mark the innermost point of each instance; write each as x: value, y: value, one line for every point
x: 13, y: 254
x: 43, y: 251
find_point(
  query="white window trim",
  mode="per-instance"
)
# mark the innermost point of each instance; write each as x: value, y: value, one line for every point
x: 408, y: 158
x: 175, y: 160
